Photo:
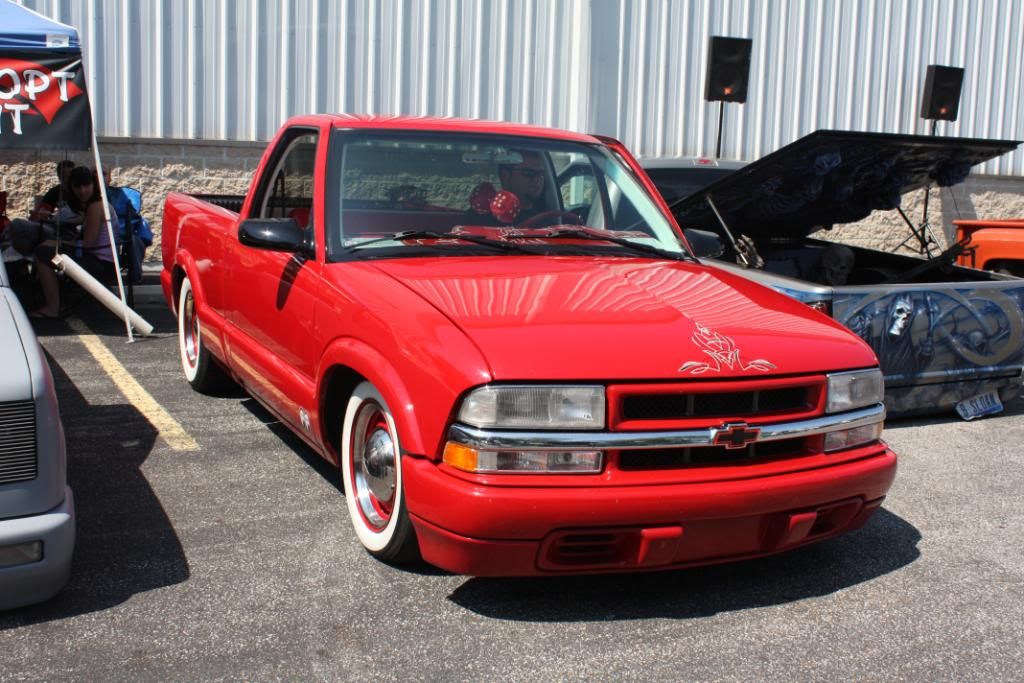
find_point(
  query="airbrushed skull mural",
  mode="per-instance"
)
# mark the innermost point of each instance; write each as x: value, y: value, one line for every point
x: 938, y: 345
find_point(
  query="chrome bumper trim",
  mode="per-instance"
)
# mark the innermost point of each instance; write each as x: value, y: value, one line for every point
x: 618, y: 441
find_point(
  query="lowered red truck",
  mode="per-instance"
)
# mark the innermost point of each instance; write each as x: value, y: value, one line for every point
x: 500, y: 336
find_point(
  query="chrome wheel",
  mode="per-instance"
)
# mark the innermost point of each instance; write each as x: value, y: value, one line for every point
x: 371, y: 471
x: 373, y: 463
x: 190, y: 322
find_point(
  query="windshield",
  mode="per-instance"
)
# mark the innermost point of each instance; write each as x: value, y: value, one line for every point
x: 405, y: 194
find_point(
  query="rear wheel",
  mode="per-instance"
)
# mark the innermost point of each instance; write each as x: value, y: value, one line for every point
x: 371, y: 469
x: 201, y: 370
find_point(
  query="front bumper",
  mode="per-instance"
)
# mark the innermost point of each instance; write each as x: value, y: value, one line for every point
x: 482, y: 530
x: 27, y: 584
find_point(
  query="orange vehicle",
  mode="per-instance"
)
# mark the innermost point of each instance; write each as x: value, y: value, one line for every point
x: 996, y: 245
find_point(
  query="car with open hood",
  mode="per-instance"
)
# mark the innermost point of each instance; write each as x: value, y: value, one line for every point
x: 946, y: 336
x: 519, y: 366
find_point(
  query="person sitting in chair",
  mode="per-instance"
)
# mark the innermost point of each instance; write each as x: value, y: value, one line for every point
x: 92, y: 251
x: 50, y: 217
x: 57, y: 195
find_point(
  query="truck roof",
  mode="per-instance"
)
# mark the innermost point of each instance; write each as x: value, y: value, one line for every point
x: 434, y: 123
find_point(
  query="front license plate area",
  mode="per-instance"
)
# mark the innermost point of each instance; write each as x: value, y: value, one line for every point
x: 980, y: 405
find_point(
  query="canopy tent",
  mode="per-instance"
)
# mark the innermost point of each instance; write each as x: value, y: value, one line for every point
x: 44, y: 105
x: 21, y: 28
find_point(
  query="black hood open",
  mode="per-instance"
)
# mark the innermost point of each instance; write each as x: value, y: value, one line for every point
x: 831, y: 177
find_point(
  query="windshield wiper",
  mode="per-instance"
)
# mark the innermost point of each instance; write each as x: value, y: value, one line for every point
x: 429, y: 235
x: 570, y: 233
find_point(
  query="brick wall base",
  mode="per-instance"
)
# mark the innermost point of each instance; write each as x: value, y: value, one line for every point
x: 161, y: 166
x: 153, y: 167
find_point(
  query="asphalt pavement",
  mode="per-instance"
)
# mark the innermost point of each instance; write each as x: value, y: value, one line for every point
x: 232, y: 559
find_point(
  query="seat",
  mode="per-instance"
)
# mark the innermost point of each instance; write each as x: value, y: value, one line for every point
x: 135, y: 234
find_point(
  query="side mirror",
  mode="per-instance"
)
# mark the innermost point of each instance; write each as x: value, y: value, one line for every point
x: 274, y: 234
x: 705, y: 243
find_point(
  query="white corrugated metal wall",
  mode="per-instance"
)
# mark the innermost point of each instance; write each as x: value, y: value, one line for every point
x: 235, y: 69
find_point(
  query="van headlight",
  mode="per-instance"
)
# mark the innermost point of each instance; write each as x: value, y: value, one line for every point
x: 849, y: 390
x: 534, y: 407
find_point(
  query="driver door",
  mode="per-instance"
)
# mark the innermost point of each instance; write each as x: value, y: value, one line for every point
x: 274, y: 313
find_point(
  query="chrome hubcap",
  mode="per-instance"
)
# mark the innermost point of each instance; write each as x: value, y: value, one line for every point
x: 191, y: 330
x: 374, y: 466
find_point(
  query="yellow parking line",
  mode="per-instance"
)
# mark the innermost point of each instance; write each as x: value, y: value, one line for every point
x: 172, y: 432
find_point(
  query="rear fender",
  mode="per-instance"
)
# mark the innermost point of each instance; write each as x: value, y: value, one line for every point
x: 212, y: 323
x: 184, y: 261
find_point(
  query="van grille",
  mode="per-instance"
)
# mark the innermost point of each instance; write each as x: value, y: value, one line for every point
x: 18, y: 460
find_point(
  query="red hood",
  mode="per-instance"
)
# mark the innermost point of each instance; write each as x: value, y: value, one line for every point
x: 553, y: 318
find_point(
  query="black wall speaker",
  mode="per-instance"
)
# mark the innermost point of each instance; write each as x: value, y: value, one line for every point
x: 728, y: 69
x: 941, y: 98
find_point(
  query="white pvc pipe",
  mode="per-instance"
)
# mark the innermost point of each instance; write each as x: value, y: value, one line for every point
x: 66, y: 264
x: 126, y: 312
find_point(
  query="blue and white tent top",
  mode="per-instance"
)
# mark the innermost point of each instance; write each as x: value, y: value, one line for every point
x: 23, y: 29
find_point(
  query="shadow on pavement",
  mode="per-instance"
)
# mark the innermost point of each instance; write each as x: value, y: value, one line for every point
x: 328, y: 471
x: 884, y: 545
x: 125, y: 543
x: 300, y: 448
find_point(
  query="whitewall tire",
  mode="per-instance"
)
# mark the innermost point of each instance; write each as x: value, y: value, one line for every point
x: 371, y: 469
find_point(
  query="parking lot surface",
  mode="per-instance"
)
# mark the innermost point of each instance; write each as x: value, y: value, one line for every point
x: 214, y: 545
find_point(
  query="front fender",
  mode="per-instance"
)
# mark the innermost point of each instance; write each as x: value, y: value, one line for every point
x: 421, y: 411
x: 376, y: 369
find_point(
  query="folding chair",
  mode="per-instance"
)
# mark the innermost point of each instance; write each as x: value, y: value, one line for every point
x: 134, y: 236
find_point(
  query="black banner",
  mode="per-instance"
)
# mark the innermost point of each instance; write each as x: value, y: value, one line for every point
x: 43, y: 103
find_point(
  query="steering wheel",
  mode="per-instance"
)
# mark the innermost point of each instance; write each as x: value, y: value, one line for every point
x: 541, y: 218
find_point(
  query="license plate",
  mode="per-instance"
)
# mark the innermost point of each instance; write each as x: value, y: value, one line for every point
x: 980, y: 405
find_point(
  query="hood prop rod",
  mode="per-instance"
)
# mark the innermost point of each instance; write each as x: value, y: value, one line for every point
x: 728, y: 233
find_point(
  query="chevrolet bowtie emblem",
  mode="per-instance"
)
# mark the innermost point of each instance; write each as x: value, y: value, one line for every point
x: 734, y: 435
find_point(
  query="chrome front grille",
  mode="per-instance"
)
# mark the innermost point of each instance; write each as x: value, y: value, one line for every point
x: 18, y: 459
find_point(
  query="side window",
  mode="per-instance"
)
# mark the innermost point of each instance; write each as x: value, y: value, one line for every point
x: 290, y: 191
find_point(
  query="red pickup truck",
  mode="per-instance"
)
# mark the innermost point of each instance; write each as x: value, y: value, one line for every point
x: 501, y: 337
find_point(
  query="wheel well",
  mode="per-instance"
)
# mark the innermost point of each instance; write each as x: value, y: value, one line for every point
x: 339, y: 384
x: 177, y: 277
x: 1011, y: 266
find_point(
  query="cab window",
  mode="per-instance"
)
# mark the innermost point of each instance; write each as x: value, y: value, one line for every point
x: 289, y: 192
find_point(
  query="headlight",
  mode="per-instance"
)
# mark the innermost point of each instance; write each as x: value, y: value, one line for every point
x: 848, y: 438
x: 849, y: 390
x: 534, y: 407
x: 470, y: 459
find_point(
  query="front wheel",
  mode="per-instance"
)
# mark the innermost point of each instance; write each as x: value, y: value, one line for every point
x: 201, y: 370
x: 371, y: 469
